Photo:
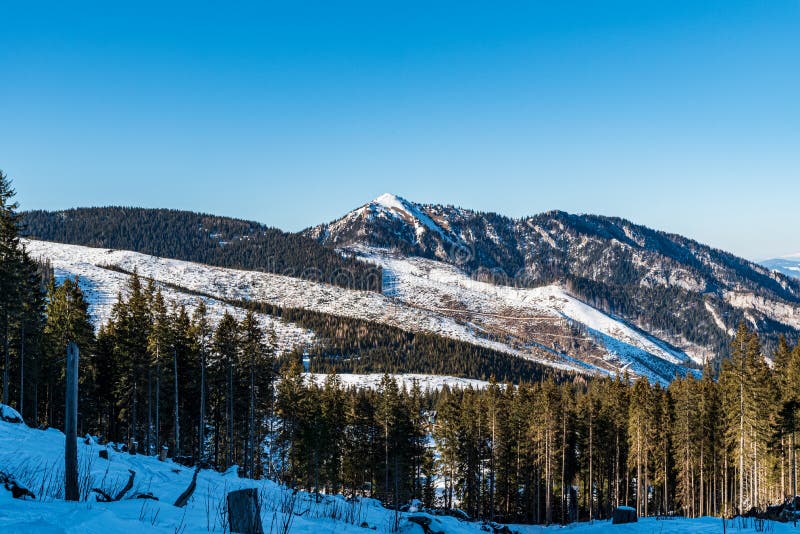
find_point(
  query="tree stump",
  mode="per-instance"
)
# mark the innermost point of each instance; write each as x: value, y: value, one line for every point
x: 244, y: 512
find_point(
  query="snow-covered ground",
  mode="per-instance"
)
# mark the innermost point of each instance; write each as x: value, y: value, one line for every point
x: 35, y: 459
x: 404, y: 380
x: 420, y: 295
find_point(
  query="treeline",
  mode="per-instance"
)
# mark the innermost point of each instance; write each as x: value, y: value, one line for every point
x: 209, y: 239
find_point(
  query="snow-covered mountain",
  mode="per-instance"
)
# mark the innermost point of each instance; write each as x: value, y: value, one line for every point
x: 676, y: 289
x: 575, y: 293
x: 788, y: 265
x: 545, y: 325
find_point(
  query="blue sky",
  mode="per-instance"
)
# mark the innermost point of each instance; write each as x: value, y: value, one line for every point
x: 683, y: 116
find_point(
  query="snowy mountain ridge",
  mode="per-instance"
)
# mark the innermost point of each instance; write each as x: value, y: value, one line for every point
x: 576, y: 293
x: 788, y: 265
x: 681, y: 291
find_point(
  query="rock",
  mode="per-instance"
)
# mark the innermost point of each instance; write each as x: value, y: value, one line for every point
x: 430, y: 525
x: 17, y: 491
x: 624, y: 514
x: 10, y: 415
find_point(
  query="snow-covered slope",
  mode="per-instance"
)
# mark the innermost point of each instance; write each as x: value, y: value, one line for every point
x: 544, y: 324
x: 101, y: 285
x: 92, y: 263
x: 546, y: 316
x: 35, y: 459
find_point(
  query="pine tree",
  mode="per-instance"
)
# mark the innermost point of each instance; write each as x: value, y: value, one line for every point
x: 638, y: 431
x: 387, y: 416
x: 289, y: 411
x: 131, y: 323
x: 361, y: 436
x: 201, y: 335
x: 221, y: 374
x: 332, y: 431
x: 747, y: 387
x: 9, y: 273
x: 159, y: 341
x: 686, y: 440
x: 67, y: 320
x: 256, y: 361
x: 21, y: 302
x: 450, y: 440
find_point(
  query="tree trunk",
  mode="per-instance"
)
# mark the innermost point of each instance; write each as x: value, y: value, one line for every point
x: 229, y: 455
x: 134, y: 416
x: 251, y: 440
x: 148, y: 439
x: 638, y: 469
x: 22, y: 371
x: 158, y: 399
x: 177, y: 422
x: 563, y: 466
x: 5, y: 357
x: 591, y: 479
x: 794, y: 462
x: 202, y: 426
x: 741, y: 438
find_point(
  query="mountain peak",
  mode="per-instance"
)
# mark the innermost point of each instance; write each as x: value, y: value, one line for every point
x: 390, y: 200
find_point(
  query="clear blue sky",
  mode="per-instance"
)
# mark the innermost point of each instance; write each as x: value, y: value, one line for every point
x: 681, y: 115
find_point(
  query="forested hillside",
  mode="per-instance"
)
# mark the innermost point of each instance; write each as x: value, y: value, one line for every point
x: 351, y: 345
x: 210, y: 239
x: 669, y: 285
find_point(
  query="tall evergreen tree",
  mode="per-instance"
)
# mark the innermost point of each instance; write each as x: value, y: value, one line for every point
x: 67, y: 320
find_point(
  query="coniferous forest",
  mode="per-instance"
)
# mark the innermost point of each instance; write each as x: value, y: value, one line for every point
x: 210, y: 239
x: 541, y: 448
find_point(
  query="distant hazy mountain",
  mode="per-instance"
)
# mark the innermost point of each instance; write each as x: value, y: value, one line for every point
x: 788, y: 265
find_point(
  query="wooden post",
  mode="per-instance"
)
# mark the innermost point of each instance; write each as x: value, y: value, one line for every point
x: 71, y: 426
x: 244, y: 512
